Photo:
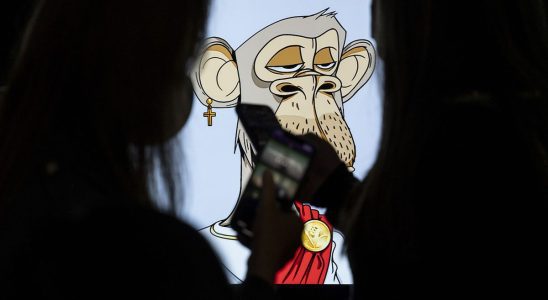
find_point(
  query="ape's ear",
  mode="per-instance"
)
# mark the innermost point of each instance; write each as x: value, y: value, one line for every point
x: 215, y: 74
x: 355, y: 67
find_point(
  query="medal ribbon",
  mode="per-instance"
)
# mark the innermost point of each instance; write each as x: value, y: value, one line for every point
x: 307, y: 267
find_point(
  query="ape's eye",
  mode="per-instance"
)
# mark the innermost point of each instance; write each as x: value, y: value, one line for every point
x: 326, y: 66
x: 286, y: 69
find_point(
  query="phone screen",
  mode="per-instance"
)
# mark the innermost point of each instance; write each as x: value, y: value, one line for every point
x: 287, y: 158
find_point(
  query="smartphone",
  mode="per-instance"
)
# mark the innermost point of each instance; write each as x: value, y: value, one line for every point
x: 259, y: 122
x: 287, y: 157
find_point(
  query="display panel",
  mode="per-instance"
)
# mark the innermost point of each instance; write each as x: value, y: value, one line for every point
x: 261, y: 52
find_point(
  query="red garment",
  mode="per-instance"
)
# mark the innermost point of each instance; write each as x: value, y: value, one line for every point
x: 307, y: 267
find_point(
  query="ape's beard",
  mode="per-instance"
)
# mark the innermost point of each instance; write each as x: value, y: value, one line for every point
x: 329, y: 126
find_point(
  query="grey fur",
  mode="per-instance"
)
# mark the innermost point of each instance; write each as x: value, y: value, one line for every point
x: 252, y: 88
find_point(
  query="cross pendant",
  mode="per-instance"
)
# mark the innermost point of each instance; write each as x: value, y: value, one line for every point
x: 209, y: 114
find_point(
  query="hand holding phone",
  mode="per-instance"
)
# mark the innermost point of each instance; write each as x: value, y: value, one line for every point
x: 260, y: 124
x: 277, y: 234
x: 287, y: 158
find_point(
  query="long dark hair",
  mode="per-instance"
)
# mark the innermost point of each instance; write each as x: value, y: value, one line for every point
x: 108, y: 77
x: 13, y: 18
x: 433, y: 50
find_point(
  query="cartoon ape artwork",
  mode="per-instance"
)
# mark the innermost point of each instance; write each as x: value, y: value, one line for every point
x: 302, y: 69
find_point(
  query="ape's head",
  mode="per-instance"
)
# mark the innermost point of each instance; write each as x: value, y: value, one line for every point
x: 299, y: 67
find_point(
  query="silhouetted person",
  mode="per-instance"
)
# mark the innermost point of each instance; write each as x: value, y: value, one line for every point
x: 97, y: 93
x: 456, y: 203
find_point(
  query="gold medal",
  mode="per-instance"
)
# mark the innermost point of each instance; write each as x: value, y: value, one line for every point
x: 316, y: 236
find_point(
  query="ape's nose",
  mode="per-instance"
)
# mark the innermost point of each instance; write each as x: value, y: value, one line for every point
x: 307, y: 82
x: 328, y: 84
x: 286, y: 88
